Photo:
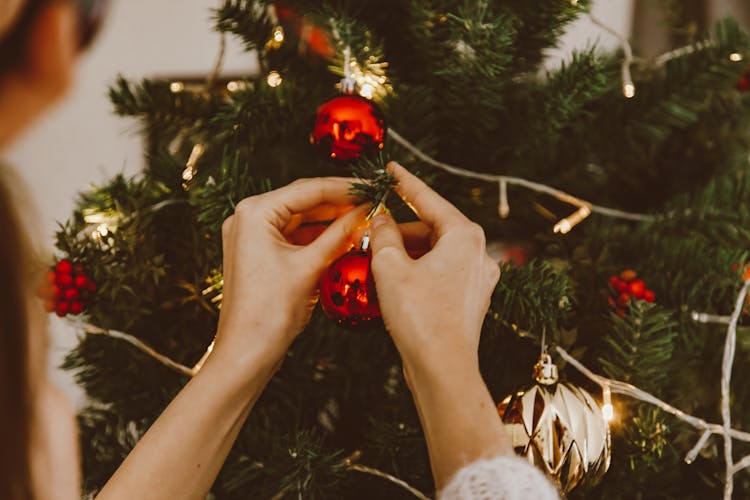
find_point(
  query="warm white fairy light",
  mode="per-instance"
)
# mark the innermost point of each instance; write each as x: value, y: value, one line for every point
x: 278, y: 34
x: 735, y: 57
x: 367, y: 91
x: 176, y: 87
x: 274, y: 79
x: 628, y: 90
x: 571, y: 221
x: 190, y: 170
x: 233, y: 86
x: 101, y: 231
x: 503, y: 208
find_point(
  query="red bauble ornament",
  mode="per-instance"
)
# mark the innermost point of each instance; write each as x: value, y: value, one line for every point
x: 347, y: 289
x: 347, y: 127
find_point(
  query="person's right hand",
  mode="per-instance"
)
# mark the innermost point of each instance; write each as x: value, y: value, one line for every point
x: 432, y: 306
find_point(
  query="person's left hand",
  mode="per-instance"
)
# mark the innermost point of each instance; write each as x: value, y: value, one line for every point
x: 270, y: 280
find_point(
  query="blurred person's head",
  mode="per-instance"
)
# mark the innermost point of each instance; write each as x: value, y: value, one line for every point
x: 39, y: 41
x: 38, y: 45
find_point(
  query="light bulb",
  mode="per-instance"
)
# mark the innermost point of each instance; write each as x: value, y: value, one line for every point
x: 628, y: 90
x: 367, y: 91
x: 274, y: 79
x: 176, y: 87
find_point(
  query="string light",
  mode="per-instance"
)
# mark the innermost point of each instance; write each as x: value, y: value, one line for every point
x: 277, y: 38
x: 735, y: 57
x: 190, y: 171
x: 367, y: 91
x: 503, y: 208
x: 571, y: 221
x: 176, y: 87
x: 585, y: 208
x: 724, y: 429
x: 274, y: 79
x: 628, y: 90
x: 233, y: 86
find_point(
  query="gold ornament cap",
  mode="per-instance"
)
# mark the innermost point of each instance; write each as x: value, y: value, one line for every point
x: 545, y: 371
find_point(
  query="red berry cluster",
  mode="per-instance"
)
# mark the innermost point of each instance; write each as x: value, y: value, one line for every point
x: 68, y: 289
x: 625, y: 288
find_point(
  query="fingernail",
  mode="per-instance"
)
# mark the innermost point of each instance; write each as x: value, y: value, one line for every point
x: 378, y: 221
x: 392, y: 166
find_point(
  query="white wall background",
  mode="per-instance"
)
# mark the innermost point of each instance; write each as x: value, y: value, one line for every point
x: 82, y: 142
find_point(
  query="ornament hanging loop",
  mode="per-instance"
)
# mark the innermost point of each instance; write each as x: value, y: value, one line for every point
x: 545, y: 371
x: 348, y: 83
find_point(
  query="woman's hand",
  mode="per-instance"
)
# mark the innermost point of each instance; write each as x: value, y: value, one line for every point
x: 270, y: 284
x: 269, y: 291
x: 433, y: 306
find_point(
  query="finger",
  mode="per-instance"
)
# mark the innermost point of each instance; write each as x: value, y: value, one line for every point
x: 337, y: 236
x: 302, y: 195
x: 320, y: 214
x: 384, y: 234
x: 429, y: 206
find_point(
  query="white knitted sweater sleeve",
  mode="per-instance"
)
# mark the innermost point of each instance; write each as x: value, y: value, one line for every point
x: 501, y: 478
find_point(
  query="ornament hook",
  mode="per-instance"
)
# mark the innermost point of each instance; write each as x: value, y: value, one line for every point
x: 545, y: 371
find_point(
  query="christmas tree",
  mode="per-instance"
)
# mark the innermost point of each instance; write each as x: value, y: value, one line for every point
x: 622, y: 181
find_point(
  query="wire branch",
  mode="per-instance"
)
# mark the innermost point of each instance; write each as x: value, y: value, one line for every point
x: 90, y: 329
x: 517, y: 181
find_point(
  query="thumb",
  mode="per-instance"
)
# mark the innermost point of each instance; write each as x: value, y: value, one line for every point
x: 384, y: 234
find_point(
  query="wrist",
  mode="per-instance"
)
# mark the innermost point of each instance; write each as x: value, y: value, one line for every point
x: 246, y: 361
x: 429, y: 368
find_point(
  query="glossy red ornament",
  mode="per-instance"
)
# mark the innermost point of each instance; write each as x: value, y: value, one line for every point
x: 347, y: 290
x: 347, y: 127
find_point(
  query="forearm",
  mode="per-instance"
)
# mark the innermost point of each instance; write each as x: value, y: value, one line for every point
x: 459, y: 418
x: 182, y: 453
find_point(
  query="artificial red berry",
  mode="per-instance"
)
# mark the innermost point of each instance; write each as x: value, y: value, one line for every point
x: 637, y: 288
x: 56, y: 291
x: 743, y: 84
x: 64, y: 267
x: 623, y: 300
x: 64, y: 280
x: 614, y: 280
x: 62, y: 309
x: 620, y: 313
x: 50, y: 306
x: 92, y: 286
x: 649, y: 296
x: 621, y: 287
x: 78, y: 269
x: 81, y: 281
x: 76, y: 308
x: 51, y: 277
x: 628, y: 275
x: 71, y: 294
